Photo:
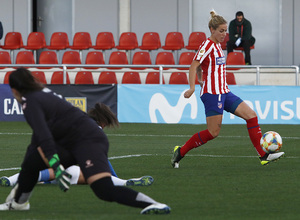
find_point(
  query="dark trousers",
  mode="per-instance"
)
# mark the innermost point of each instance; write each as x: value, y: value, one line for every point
x: 246, y: 44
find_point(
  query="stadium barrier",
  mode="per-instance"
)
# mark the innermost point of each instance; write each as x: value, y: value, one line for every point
x: 257, y: 69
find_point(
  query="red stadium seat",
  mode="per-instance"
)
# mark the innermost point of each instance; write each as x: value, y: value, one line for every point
x: 84, y: 77
x: 178, y: 78
x: 127, y: 41
x: 186, y: 58
x: 25, y: 57
x: 81, y: 41
x: 141, y: 58
x: 94, y: 58
x: 164, y: 58
x: 40, y: 76
x: 223, y: 44
x: 150, y: 41
x: 107, y: 77
x: 71, y: 57
x: 104, y: 41
x: 35, y: 41
x: 118, y: 58
x: 57, y: 78
x: 6, y: 77
x: 174, y: 41
x: 230, y: 78
x: 48, y: 57
x: 13, y: 41
x: 59, y: 41
x: 235, y: 58
x: 195, y: 40
x: 153, y: 78
x: 131, y: 78
x: 5, y: 58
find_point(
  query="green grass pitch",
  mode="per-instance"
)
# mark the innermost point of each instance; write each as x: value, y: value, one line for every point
x: 222, y: 179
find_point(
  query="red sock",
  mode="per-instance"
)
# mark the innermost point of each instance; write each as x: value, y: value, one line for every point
x: 255, y: 134
x: 196, y: 140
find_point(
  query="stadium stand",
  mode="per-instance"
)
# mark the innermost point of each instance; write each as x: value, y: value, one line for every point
x: 107, y: 77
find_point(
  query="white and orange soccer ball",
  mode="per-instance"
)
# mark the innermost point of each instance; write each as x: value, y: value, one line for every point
x: 271, y: 142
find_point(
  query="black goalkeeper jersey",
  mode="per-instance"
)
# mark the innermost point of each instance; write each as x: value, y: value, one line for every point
x: 55, y: 121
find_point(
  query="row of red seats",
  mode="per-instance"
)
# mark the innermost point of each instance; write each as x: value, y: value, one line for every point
x: 104, y: 41
x: 109, y: 77
x: 116, y: 57
x: 96, y: 57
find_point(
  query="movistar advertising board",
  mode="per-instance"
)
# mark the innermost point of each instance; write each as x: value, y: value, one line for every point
x: 166, y: 104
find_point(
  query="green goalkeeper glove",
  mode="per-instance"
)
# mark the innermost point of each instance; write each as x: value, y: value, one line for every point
x: 62, y: 177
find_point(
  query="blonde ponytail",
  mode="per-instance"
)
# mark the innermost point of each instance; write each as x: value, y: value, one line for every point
x: 215, y: 20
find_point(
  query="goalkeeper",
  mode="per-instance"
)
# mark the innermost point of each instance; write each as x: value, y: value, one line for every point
x: 104, y: 117
x: 62, y: 136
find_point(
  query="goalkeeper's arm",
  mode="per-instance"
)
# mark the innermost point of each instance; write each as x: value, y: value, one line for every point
x: 62, y: 177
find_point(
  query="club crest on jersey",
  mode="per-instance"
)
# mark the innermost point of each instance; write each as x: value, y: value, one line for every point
x: 220, y: 60
x: 220, y: 105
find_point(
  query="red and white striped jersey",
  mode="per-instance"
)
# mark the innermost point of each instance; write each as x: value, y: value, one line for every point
x: 213, y: 64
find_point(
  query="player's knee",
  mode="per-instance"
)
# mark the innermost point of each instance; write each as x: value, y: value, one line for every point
x: 214, y: 132
x: 104, y: 189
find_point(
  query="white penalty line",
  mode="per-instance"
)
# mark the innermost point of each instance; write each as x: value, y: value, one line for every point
x: 141, y: 155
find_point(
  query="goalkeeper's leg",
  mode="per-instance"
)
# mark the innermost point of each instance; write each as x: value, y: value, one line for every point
x: 106, y: 190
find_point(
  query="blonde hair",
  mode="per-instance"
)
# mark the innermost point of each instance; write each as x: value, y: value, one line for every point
x: 215, y: 20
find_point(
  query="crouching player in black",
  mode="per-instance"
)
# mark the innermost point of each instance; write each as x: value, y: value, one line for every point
x: 66, y: 136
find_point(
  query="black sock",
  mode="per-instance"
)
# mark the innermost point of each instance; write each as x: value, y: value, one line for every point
x: 106, y: 190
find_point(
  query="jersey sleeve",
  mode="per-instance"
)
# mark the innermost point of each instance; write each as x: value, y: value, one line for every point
x: 36, y: 118
x: 203, y: 51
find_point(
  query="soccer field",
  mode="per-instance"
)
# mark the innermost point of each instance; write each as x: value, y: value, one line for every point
x: 222, y: 179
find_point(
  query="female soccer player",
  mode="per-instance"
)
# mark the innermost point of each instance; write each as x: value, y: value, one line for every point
x: 63, y: 135
x: 104, y: 117
x: 209, y: 64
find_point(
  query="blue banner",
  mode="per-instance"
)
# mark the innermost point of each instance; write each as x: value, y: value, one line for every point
x: 166, y: 104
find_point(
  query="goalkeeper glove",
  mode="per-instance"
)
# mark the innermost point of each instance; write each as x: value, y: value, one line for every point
x: 62, y: 177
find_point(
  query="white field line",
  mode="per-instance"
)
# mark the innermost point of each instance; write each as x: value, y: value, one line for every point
x: 151, y: 135
x: 142, y: 155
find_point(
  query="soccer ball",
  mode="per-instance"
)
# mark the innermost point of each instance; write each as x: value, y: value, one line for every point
x: 271, y: 142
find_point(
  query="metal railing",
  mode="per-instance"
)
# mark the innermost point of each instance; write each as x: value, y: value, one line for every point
x: 160, y: 68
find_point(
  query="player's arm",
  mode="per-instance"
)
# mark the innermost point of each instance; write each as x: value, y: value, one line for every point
x: 192, y: 78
